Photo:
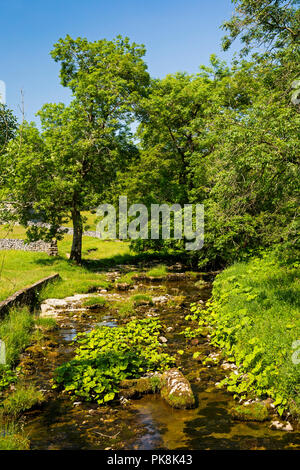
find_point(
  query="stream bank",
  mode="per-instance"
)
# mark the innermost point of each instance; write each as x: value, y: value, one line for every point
x: 148, y: 422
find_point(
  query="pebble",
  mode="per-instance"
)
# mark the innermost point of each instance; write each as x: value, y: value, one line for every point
x: 280, y: 426
x: 162, y: 339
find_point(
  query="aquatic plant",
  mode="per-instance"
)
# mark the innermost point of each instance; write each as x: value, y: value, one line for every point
x: 105, y: 356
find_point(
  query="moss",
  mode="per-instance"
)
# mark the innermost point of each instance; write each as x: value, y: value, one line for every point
x: 176, y: 390
x: 155, y: 382
x: 176, y: 301
x: 136, y: 387
x: 251, y: 412
x: 179, y: 401
x: 202, y: 284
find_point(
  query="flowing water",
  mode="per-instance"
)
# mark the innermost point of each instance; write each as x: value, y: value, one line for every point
x: 146, y: 423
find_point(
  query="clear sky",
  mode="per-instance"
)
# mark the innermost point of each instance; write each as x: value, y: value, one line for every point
x: 178, y: 35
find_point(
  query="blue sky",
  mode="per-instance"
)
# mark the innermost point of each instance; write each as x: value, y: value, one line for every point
x: 178, y: 35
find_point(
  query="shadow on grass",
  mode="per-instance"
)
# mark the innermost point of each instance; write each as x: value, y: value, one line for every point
x: 135, y: 259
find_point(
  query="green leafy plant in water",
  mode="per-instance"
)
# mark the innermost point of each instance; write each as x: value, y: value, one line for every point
x: 105, y: 356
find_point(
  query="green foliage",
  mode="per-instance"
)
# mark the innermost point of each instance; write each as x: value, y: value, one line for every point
x: 15, y: 330
x: 126, y: 309
x: 46, y: 324
x: 95, y: 301
x: 250, y: 412
x: 255, y: 315
x: 140, y: 299
x: 265, y: 22
x: 12, y: 436
x: 105, y: 356
x: 158, y: 271
x: 21, y: 399
x: 7, y: 377
x: 127, y: 278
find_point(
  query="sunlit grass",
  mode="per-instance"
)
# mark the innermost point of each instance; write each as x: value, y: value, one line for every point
x: 19, y: 269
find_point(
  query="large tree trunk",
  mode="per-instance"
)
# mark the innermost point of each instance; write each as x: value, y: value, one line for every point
x: 76, y: 249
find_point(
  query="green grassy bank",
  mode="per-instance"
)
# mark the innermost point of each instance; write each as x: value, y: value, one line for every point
x: 255, y: 313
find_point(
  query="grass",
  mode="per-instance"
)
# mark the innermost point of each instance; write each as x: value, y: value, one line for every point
x: 127, y: 278
x: 16, y: 330
x: 140, y: 299
x: 20, y: 400
x: 46, y: 324
x: 158, y: 271
x: 95, y: 301
x: 12, y: 437
x: 89, y: 224
x: 126, y: 310
x: 19, y: 269
x: 256, y: 315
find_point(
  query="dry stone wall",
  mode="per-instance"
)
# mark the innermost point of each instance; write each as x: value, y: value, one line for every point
x: 38, y: 246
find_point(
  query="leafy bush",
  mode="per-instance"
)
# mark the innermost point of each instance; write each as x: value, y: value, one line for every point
x: 105, y: 356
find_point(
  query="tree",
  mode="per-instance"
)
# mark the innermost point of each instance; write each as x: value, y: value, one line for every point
x: 8, y: 126
x: 273, y: 23
x: 82, y: 145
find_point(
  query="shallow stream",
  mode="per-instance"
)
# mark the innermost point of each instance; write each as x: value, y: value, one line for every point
x: 146, y: 423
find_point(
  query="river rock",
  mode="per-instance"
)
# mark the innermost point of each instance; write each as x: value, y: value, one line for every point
x: 160, y: 299
x: 123, y: 286
x: 281, y: 426
x: 162, y: 339
x: 250, y: 411
x: 176, y: 389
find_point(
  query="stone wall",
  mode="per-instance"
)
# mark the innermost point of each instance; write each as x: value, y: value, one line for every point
x: 38, y: 246
x: 27, y: 296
